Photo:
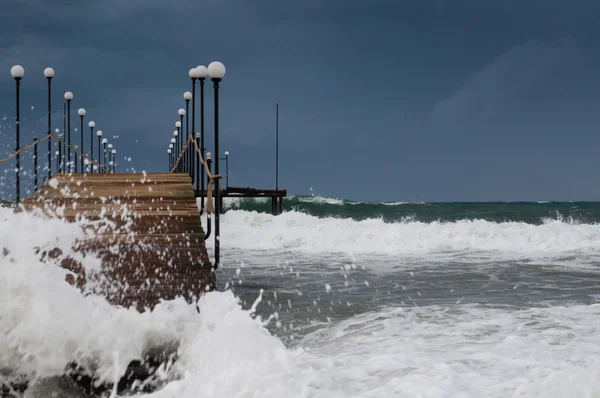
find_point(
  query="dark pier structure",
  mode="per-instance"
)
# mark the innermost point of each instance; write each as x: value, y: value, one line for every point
x: 145, y: 228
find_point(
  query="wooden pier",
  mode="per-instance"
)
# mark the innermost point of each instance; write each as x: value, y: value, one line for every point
x: 145, y: 229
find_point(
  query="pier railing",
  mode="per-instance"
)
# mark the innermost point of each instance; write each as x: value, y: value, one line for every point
x: 189, y: 159
x: 60, y: 160
x: 185, y: 163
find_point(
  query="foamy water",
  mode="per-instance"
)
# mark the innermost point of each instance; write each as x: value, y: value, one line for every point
x: 301, y: 232
x: 400, y: 348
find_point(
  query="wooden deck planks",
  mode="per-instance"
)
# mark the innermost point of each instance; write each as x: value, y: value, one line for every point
x: 145, y: 229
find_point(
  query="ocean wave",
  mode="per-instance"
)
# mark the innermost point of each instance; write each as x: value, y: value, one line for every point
x: 295, y: 231
x: 225, y: 350
x: 290, y: 200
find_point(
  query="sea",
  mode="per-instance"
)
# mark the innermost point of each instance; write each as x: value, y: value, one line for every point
x: 333, y: 298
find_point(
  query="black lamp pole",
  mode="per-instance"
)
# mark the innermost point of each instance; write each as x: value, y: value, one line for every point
x: 105, y: 164
x: 99, y: 134
x: 64, y: 144
x: 35, y: 165
x: 109, y: 158
x: 69, y: 97
x: 216, y: 81
x: 49, y: 73
x: 193, y: 75
x: 202, y: 141
x: 17, y: 73
x: 181, y: 142
x: 59, y: 152
x: 178, y: 138
x: 91, y: 124
x: 81, y: 151
x: 187, y: 136
x: 227, y: 169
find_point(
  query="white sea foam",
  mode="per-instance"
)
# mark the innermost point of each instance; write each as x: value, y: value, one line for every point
x: 297, y: 231
x: 461, y: 351
x: 320, y: 200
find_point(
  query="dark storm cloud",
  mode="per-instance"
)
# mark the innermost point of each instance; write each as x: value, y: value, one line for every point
x: 382, y: 100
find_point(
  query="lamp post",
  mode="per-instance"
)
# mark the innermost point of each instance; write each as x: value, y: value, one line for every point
x: 181, y: 113
x: 49, y: 74
x: 81, y: 113
x: 59, y: 152
x: 179, y: 144
x: 202, y: 73
x: 173, y: 147
x: 64, y: 143
x: 187, y: 96
x: 91, y: 125
x: 69, y: 98
x: 17, y: 72
x: 104, y: 142
x: 109, y: 158
x: 194, y: 75
x: 114, y: 160
x: 216, y: 71
x: 169, y: 152
x: 99, y: 134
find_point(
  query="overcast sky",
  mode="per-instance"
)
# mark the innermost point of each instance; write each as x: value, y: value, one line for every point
x: 379, y: 100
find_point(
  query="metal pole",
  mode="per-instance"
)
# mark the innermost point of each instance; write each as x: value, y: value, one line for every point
x: 69, y: 134
x: 181, y: 142
x: 64, y: 144
x: 35, y: 165
x: 187, y: 136
x: 194, y: 169
x: 227, y: 170
x: 178, y: 148
x: 81, y: 151
x: 49, y: 127
x: 197, y: 140
x: 277, y: 146
x: 105, y: 164
x: 202, y: 143
x: 60, y: 154
x: 18, y: 182
x: 208, y: 218
x: 217, y: 185
x: 91, y: 149
x: 99, y: 154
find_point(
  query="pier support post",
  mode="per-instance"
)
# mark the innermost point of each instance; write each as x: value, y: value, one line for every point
x: 280, y: 205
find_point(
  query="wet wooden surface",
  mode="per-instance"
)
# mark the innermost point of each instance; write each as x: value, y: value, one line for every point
x: 145, y: 229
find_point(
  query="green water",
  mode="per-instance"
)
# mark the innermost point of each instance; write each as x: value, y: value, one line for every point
x: 528, y: 212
